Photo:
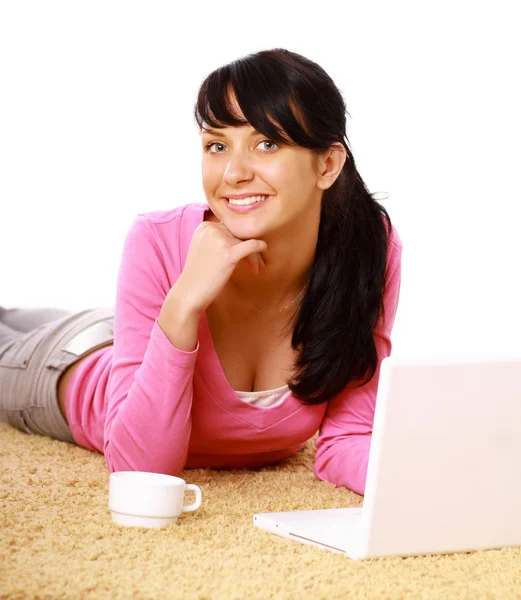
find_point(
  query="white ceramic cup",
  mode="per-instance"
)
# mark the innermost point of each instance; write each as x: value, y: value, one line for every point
x: 142, y: 499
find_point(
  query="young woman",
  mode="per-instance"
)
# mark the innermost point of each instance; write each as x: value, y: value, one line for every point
x: 242, y: 325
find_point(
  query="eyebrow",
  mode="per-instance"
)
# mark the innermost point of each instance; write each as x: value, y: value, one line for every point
x: 220, y: 133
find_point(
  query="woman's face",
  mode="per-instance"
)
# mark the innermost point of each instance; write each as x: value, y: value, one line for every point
x: 240, y: 160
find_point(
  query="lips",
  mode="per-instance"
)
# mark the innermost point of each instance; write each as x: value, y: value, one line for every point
x: 245, y: 208
x: 242, y: 196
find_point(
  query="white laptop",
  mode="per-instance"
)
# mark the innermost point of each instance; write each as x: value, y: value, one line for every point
x: 444, y: 471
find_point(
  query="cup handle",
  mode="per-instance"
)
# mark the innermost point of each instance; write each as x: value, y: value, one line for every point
x: 198, y: 497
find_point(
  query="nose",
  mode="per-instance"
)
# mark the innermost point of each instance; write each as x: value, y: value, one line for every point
x: 238, y: 168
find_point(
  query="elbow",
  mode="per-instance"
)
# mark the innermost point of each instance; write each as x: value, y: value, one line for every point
x: 354, y: 484
x: 148, y: 462
x: 347, y: 470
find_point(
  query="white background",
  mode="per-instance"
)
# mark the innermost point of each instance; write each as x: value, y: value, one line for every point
x: 96, y: 126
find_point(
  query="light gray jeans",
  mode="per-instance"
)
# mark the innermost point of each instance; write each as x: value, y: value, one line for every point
x: 36, y: 346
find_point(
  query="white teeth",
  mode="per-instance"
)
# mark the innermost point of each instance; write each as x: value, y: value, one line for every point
x: 250, y: 200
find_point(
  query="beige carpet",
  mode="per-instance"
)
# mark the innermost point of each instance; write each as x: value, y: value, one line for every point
x: 57, y: 539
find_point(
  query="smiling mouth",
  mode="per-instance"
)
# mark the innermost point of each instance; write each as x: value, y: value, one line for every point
x: 247, y: 201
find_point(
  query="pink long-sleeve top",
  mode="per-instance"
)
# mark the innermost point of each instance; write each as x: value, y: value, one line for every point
x: 149, y: 406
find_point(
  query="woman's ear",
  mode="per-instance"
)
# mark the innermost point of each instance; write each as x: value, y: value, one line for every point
x: 330, y: 164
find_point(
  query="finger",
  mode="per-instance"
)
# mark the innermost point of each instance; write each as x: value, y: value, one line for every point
x: 262, y: 263
x: 253, y: 263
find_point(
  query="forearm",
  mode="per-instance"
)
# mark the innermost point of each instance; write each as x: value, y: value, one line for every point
x: 148, y: 420
x: 179, y: 319
x: 148, y: 425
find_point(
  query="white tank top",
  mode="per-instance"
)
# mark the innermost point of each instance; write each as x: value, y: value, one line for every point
x: 265, y: 398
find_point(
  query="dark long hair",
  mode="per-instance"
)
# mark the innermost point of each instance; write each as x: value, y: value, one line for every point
x: 289, y: 98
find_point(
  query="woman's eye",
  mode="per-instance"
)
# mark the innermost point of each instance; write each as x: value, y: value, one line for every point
x: 268, y: 142
x: 208, y: 146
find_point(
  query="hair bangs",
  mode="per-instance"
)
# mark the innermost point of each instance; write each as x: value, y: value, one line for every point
x: 261, y: 94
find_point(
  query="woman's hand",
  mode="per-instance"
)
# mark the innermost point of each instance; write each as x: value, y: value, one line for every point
x: 212, y: 258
